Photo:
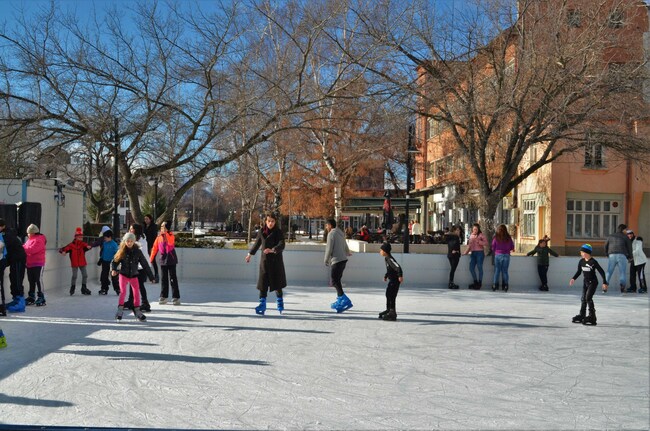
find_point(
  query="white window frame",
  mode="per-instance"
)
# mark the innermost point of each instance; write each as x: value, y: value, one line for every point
x: 591, y: 218
x: 529, y: 221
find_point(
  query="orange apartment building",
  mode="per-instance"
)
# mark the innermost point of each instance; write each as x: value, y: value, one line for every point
x: 580, y: 197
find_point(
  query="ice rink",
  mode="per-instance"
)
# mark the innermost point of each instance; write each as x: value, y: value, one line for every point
x: 453, y: 360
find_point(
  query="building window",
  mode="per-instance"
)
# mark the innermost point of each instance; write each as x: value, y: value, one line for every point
x: 430, y: 170
x: 530, y: 216
x: 434, y: 127
x: 591, y: 218
x: 615, y: 19
x: 573, y: 18
x: 594, y: 156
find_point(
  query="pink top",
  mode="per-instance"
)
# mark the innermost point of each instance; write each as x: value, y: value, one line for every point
x: 35, y: 251
x: 476, y: 242
x: 504, y: 247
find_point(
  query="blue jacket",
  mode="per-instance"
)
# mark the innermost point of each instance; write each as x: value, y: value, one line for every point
x: 109, y: 248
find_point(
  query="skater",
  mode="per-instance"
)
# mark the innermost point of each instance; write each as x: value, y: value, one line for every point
x: 394, y: 276
x: 3, y: 265
x: 336, y: 256
x: 476, y: 246
x: 453, y: 253
x: 107, y: 249
x: 637, y: 265
x: 164, y: 244
x: 151, y: 232
x: 618, y: 248
x: 542, y: 250
x: 16, y: 259
x: 77, y: 250
x: 588, y: 267
x: 271, y: 275
x: 35, y: 251
x: 502, y: 245
x: 127, y: 259
x: 145, y: 307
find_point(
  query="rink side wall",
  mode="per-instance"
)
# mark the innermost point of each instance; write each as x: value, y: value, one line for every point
x: 306, y: 267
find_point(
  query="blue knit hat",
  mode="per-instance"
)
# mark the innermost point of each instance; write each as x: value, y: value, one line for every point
x: 586, y: 248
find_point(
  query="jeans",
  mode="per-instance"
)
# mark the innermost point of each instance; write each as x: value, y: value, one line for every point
x: 617, y: 259
x: 501, y: 264
x: 476, y: 259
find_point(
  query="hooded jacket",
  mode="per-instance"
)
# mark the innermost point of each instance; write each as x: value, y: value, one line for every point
x: 35, y: 250
x: 133, y: 258
x: 337, y: 249
x: 164, y: 244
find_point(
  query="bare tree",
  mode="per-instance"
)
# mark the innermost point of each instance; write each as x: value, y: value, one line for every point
x: 495, y: 78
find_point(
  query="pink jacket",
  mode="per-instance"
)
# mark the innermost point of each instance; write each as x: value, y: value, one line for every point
x: 35, y: 250
x: 476, y: 242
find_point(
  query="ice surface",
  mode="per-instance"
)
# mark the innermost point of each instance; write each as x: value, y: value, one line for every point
x: 453, y: 360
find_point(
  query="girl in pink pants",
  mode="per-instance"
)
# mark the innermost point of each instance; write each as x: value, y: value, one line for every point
x: 125, y: 263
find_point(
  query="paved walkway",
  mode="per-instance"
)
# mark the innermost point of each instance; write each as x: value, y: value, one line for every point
x: 453, y: 360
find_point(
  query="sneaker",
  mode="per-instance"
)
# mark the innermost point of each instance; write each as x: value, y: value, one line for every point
x: 176, y: 301
x: 19, y: 306
x: 163, y: 301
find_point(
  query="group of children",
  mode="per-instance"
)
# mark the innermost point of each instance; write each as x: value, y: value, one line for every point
x: 127, y: 264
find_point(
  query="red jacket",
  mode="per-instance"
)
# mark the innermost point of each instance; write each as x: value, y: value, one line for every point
x: 77, y: 250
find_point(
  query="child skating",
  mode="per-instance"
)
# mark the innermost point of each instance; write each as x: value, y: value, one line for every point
x: 126, y: 260
x: 77, y: 250
x: 35, y: 263
x: 394, y: 276
x: 588, y: 267
x: 543, y: 251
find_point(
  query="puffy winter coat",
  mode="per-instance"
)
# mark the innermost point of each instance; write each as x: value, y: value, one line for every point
x: 128, y: 266
x: 77, y: 250
x: 164, y: 244
x: 35, y: 250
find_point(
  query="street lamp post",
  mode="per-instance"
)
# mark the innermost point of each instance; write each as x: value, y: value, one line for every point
x: 154, y: 181
x: 116, y: 215
x: 410, y: 150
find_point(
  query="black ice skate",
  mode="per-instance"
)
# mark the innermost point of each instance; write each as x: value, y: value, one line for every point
x: 85, y: 290
x: 578, y: 318
x: 383, y: 313
x: 590, y: 320
x: 138, y: 314
x: 72, y: 289
x: 391, y: 316
x: 495, y: 287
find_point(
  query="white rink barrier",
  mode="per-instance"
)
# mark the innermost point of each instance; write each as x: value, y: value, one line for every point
x: 306, y: 267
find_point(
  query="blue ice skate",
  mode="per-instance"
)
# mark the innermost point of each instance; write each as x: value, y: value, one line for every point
x: 260, y: 309
x: 344, y: 303
x: 18, y: 306
x: 280, y: 304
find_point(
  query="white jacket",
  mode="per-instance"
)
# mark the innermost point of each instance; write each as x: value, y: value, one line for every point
x: 637, y: 251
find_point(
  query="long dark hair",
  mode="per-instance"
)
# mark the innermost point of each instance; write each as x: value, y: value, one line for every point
x: 139, y: 232
x: 477, y: 226
x: 502, y: 234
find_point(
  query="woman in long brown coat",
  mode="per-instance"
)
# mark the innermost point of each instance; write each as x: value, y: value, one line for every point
x: 272, y: 276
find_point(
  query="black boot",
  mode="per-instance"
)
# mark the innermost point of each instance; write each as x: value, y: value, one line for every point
x: 391, y: 316
x: 473, y: 285
x: 72, y: 289
x: 578, y: 318
x: 495, y: 287
x: 383, y: 313
x: 85, y: 290
x: 505, y: 288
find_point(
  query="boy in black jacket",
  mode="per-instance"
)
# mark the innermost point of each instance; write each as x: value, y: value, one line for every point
x: 588, y: 266
x: 394, y: 277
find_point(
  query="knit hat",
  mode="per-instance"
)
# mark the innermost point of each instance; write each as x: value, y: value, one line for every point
x: 386, y: 247
x: 32, y: 228
x: 78, y: 232
x: 586, y: 248
x: 128, y: 236
x: 629, y: 231
x: 104, y: 230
